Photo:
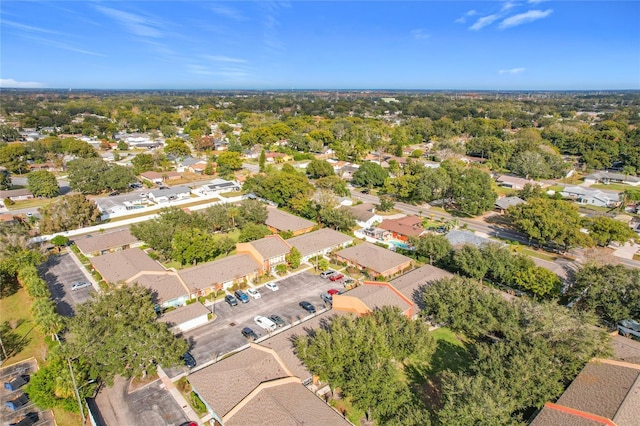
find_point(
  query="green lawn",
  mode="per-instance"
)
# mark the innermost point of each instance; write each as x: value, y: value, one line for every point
x: 450, y: 354
x: 534, y: 253
x: 612, y: 187
x: 20, y: 338
x: 33, y: 202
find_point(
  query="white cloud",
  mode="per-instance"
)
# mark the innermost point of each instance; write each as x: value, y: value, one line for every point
x: 463, y: 18
x: 219, y: 58
x: 10, y: 82
x: 62, y: 45
x: 536, y: 1
x: 483, y: 22
x: 28, y: 28
x: 136, y: 24
x: 228, y: 12
x: 523, y: 18
x: 508, y: 5
x: 419, y: 34
x: 512, y: 71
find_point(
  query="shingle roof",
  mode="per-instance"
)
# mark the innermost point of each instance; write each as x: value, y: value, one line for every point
x: 550, y: 416
x: 271, y: 246
x: 184, y: 314
x: 362, y: 212
x: 410, y: 284
x: 219, y: 271
x: 14, y: 193
x: 175, y: 190
x: 319, y: 240
x: 612, y: 176
x: 373, y: 257
x: 410, y: 226
x: 375, y: 295
x: 224, y: 384
x: 283, y: 221
x: 106, y: 241
x: 506, y: 202
x: 164, y: 287
x: 458, y: 237
x: 124, y: 264
x: 286, y: 404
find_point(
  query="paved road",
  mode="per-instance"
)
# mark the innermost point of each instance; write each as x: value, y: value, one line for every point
x: 223, y: 335
x: 60, y: 272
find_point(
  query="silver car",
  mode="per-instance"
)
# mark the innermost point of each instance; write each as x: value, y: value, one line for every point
x: 80, y: 284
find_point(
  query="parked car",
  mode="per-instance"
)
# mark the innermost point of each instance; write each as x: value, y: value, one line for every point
x: 277, y: 320
x: 254, y: 293
x: 308, y: 307
x: 232, y: 301
x: 326, y: 298
x: 629, y: 328
x: 114, y: 193
x: 333, y: 291
x: 265, y: 323
x: 241, y: 296
x: 80, y: 284
x: 327, y: 273
x: 28, y: 420
x: 188, y: 360
x: 249, y: 333
x: 272, y: 286
x: 336, y: 277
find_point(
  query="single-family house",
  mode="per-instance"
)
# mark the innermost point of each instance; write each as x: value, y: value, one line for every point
x: 219, y: 185
x: 16, y: 194
x: 185, y: 318
x: 365, y: 214
x: 160, y: 177
x: 182, y: 164
x: 205, y: 278
x: 269, y: 251
x: 346, y: 172
x: 124, y: 264
x: 198, y: 167
x: 592, y: 197
x: 375, y: 260
x: 503, y: 203
x: 8, y: 218
x: 170, y: 194
x: 99, y: 244
x: 608, y: 177
x: 372, y: 295
x: 277, y: 157
x: 403, y: 228
x: 255, y: 386
x: 319, y: 243
x: 459, y: 238
x: 515, y: 182
x: 279, y: 221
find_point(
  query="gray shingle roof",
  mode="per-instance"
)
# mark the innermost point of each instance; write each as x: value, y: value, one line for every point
x: 458, y: 238
x: 373, y: 257
x: 362, y: 212
x: 319, y: 240
x: 411, y: 283
x: 184, y: 314
x: 506, y: 202
x: 219, y: 271
x: 270, y: 247
x: 124, y: 264
x: 175, y: 190
x: 164, y: 287
x: 283, y: 221
x: 106, y: 241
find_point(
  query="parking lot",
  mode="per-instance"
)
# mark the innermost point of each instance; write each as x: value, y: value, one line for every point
x: 223, y: 335
x: 22, y: 369
x: 60, y: 272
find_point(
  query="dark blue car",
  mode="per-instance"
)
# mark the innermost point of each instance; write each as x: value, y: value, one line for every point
x: 242, y: 296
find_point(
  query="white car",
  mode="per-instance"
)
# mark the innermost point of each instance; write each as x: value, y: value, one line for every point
x: 265, y: 323
x: 272, y: 286
x: 253, y: 293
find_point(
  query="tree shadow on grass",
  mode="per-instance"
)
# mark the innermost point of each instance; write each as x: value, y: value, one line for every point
x: 9, y: 286
x: 12, y: 342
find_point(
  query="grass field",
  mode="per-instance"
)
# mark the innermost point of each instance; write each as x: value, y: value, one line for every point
x: 451, y: 352
x: 612, y: 187
x: 20, y: 338
x: 534, y: 253
x: 33, y: 202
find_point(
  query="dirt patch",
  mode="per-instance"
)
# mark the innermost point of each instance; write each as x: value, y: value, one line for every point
x: 138, y: 383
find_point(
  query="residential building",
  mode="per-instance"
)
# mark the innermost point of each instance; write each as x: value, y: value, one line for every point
x: 186, y: 318
x: 219, y: 185
x: 372, y: 295
x: 268, y: 251
x: 279, y: 221
x: 319, y: 243
x: 608, y: 177
x: 503, y: 203
x: 255, y: 386
x: 170, y: 194
x: 375, y: 260
x: 8, y: 218
x: 459, y: 238
x: 99, y: 244
x: 403, y: 228
x: 124, y: 264
x: 514, y: 182
x: 365, y: 214
x: 592, y: 197
x: 411, y: 284
x: 205, y: 278
x: 166, y: 287
x: 16, y: 194
x: 160, y: 177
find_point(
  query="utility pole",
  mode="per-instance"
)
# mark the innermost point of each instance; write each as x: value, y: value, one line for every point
x: 75, y: 388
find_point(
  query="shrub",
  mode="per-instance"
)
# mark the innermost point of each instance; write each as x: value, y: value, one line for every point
x: 8, y: 202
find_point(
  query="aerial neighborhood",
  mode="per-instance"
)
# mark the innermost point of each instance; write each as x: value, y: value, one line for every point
x: 319, y: 258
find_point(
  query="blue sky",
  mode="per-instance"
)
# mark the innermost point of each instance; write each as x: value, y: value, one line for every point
x: 484, y: 45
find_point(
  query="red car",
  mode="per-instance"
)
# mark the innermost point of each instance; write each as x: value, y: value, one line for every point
x: 336, y: 277
x: 333, y: 291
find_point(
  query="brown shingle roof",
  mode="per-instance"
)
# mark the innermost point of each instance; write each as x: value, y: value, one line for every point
x: 286, y: 404
x: 271, y: 246
x: 106, y: 241
x: 410, y: 226
x: 375, y: 295
x: 550, y: 416
x: 373, y: 257
x: 164, y: 287
x: 410, y: 284
x: 184, y: 314
x: 362, y: 212
x: 15, y: 193
x: 124, y: 264
x: 283, y: 221
x: 219, y: 271
x: 224, y: 384
x: 319, y: 240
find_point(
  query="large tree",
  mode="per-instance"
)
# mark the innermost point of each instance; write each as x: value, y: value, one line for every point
x: 370, y: 174
x: 319, y: 169
x: 42, y: 183
x: 93, y: 176
x: 434, y: 247
x: 117, y: 333
x: 284, y: 187
x: 69, y: 212
x: 5, y: 180
x: 604, y: 230
x: 472, y: 192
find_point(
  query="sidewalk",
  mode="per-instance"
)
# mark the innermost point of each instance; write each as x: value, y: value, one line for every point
x: 175, y: 393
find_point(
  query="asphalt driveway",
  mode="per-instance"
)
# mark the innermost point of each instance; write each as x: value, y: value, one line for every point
x: 60, y: 272
x: 223, y: 335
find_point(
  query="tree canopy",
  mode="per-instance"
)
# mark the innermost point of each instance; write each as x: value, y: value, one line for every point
x: 42, y: 183
x: 68, y: 212
x: 93, y: 176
